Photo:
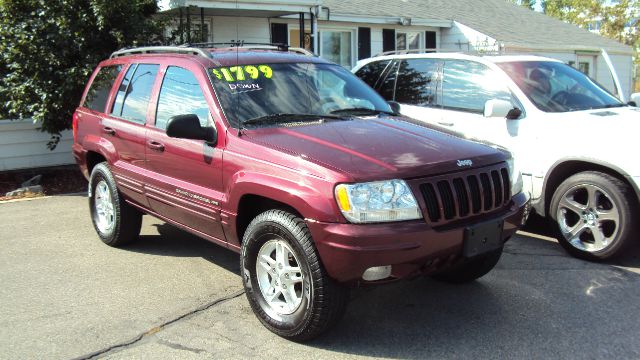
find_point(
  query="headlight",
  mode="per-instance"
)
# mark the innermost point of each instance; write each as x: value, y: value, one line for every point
x: 516, y: 177
x: 380, y: 201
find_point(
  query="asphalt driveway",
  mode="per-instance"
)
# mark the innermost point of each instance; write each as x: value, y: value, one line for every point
x: 64, y: 294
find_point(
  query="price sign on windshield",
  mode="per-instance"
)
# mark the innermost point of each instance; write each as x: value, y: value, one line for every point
x: 242, y: 73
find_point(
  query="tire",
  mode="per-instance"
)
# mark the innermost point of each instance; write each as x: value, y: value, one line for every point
x: 593, y: 214
x: 116, y: 222
x: 471, y: 269
x: 315, y: 302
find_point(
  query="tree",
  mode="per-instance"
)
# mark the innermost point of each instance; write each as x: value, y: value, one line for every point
x: 48, y: 50
x: 617, y: 20
x: 526, y: 3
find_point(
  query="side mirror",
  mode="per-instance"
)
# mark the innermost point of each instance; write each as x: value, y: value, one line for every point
x: 188, y: 127
x: 501, y: 109
x: 634, y: 100
x: 395, y: 107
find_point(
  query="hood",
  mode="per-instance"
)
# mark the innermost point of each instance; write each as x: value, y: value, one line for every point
x: 368, y: 149
x: 607, y: 136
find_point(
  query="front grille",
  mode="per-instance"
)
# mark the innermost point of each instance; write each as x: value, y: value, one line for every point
x: 466, y: 194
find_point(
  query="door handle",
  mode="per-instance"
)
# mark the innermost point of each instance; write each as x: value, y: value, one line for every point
x: 108, y: 130
x: 446, y: 123
x: 154, y: 145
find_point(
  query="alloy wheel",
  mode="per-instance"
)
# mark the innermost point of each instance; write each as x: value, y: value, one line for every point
x: 279, y: 277
x: 105, y: 214
x: 588, y: 217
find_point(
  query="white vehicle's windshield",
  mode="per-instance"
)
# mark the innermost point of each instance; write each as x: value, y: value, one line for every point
x: 556, y: 87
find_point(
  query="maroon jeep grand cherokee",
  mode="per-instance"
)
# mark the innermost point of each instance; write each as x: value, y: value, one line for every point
x: 297, y: 165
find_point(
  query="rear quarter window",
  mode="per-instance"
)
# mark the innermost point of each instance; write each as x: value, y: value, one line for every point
x: 134, y: 93
x: 371, y: 72
x: 100, y: 88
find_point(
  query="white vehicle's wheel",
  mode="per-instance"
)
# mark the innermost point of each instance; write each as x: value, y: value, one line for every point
x: 285, y: 283
x: 594, y: 214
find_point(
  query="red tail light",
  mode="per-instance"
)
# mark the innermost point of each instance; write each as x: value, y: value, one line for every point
x: 75, y: 127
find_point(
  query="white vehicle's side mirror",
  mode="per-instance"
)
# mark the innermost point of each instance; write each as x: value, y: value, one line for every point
x: 635, y: 99
x: 501, y: 109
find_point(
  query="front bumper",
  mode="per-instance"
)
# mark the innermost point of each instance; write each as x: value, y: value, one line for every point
x: 347, y: 250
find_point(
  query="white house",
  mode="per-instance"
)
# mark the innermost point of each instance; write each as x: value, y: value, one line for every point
x: 345, y: 31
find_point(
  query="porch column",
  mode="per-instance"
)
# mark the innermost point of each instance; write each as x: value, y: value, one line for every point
x: 302, y: 30
x: 202, y: 26
x: 314, y: 32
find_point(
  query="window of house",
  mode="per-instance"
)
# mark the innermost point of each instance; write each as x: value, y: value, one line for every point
x: 407, y: 40
x: 468, y: 85
x: 371, y: 72
x: 134, y: 93
x: 337, y: 47
x: 418, y: 82
x: 180, y: 95
x: 100, y: 88
x: 584, y: 67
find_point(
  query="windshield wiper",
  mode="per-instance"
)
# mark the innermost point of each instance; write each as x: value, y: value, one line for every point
x: 285, y: 117
x: 361, y: 111
x: 609, y: 106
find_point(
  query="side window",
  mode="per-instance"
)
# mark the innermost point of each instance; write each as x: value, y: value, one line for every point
x: 468, y: 85
x: 387, y: 87
x: 180, y: 94
x: 134, y: 93
x: 371, y: 72
x: 418, y: 82
x: 101, y: 87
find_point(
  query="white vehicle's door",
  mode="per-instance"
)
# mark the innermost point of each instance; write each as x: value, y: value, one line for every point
x: 466, y: 88
x: 417, y: 88
x: 452, y: 95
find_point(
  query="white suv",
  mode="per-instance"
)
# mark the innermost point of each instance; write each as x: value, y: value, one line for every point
x: 572, y: 140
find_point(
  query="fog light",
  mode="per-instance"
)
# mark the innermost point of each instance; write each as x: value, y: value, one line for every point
x: 377, y: 273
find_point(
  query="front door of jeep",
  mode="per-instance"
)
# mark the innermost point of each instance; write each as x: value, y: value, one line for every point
x: 185, y: 181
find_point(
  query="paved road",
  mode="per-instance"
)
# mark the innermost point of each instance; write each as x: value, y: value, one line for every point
x: 171, y: 295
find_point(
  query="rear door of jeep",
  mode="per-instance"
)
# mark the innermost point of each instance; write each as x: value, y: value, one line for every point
x: 125, y: 125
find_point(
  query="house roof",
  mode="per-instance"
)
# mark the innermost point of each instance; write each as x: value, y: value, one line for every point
x: 513, y: 25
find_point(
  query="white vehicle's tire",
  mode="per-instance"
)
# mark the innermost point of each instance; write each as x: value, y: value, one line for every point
x: 594, y: 214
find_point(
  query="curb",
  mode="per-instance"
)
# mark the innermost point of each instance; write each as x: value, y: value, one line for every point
x: 83, y: 193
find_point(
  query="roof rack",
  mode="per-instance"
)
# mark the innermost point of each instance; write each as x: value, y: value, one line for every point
x: 200, y: 49
x: 161, y: 50
x: 439, y: 50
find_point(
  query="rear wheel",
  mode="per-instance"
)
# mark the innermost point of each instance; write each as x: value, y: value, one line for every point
x: 594, y: 215
x: 116, y: 222
x: 470, y: 269
x: 285, y: 283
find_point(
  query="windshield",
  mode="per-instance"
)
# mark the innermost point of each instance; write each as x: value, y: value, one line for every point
x: 556, y: 87
x: 261, y: 93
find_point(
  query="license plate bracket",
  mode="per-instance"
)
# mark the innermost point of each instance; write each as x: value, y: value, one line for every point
x: 482, y: 238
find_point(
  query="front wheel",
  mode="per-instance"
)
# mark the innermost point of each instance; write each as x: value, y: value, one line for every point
x: 285, y: 283
x: 470, y: 269
x: 594, y: 215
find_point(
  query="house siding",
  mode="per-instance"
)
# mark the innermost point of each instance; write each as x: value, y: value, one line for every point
x: 24, y: 146
x: 463, y: 38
